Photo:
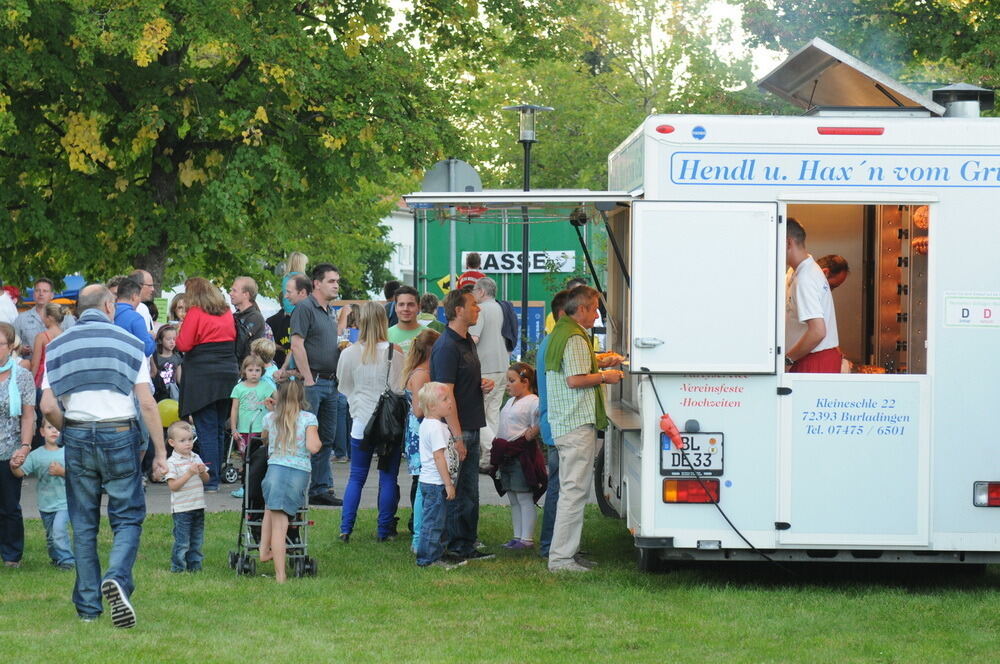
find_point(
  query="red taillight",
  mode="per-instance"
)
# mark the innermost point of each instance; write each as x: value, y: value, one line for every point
x: 664, y: 129
x: 851, y: 131
x: 691, y: 491
x: 986, y: 494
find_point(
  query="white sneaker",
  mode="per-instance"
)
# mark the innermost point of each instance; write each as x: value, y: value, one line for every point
x: 122, y: 613
x: 570, y: 567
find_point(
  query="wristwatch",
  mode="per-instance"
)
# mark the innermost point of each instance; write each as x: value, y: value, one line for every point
x: 789, y: 361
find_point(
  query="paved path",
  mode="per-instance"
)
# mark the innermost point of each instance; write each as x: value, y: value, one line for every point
x: 158, y: 495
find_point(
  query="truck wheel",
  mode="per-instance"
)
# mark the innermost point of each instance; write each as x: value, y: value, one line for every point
x: 602, y: 502
x: 648, y: 561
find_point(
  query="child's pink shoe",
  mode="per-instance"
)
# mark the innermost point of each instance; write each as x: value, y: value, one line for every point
x: 521, y: 544
x: 511, y: 544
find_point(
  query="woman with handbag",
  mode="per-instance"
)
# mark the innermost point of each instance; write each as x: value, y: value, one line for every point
x: 368, y: 373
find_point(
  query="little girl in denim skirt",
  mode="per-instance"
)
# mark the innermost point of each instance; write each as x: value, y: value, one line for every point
x: 291, y: 433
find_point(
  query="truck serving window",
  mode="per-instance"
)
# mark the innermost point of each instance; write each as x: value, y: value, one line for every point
x: 881, y: 301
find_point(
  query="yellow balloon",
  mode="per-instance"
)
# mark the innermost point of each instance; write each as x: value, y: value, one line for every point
x: 168, y: 411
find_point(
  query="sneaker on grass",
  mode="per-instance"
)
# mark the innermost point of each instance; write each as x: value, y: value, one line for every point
x: 122, y: 613
x: 479, y: 555
x: 445, y: 565
x: 570, y: 567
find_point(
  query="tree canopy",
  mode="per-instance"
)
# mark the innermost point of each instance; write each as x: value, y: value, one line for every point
x: 928, y: 42
x: 217, y: 135
x: 607, y: 66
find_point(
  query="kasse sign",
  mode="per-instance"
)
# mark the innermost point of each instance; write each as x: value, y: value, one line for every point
x: 509, y: 262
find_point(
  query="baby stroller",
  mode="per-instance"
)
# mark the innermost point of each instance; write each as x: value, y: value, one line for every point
x: 244, y: 558
x: 234, y: 465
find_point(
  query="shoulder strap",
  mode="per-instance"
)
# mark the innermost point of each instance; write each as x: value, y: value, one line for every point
x: 388, y: 367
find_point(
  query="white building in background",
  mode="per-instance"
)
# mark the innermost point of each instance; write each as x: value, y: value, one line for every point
x: 400, y: 223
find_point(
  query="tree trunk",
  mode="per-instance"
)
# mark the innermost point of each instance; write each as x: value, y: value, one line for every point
x: 163, y: 186
x: 154, y: 261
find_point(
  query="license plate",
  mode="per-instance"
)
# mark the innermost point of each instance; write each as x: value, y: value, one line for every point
x: 703, y: 452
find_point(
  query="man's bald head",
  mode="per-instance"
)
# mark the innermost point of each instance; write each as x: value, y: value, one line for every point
x: 94, y: 296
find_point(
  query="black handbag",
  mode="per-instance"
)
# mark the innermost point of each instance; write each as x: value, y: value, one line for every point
x: 387, y: 426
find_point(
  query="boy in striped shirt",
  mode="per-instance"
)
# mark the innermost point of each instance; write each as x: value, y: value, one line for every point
x: 186, y: 477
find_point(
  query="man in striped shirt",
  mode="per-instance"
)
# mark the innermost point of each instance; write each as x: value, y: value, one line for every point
x: 98, y: 372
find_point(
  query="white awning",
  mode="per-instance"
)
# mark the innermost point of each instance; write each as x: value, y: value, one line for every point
x: 511, y: 205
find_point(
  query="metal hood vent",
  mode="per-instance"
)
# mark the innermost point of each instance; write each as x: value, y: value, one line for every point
x: 821, y: 75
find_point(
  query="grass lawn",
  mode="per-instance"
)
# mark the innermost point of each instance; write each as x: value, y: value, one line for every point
x: 371, y: 603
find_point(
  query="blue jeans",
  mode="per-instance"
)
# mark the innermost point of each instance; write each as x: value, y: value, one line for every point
x: 388, y: 490
x: 418, y: 517
x: 189, y: 535
x: 463, y: 512
x: 57, y: 537
x: 103, y: 460
x: 551, y: 501
x: 430, y: 545
x: 210, y: 425
x: 342, y: 443
x: 323, y: 399
x: 11, y: 521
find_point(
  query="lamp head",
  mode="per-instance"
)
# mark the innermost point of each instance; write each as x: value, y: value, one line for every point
x: 527, y: 124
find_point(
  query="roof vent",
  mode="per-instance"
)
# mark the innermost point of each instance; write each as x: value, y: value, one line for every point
x: 963, y: 100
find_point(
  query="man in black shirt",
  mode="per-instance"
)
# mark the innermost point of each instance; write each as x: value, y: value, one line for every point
x: 455, y: 362
x: 314, y: 347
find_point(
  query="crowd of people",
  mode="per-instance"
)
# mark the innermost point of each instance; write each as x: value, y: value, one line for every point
x: 307, y: 381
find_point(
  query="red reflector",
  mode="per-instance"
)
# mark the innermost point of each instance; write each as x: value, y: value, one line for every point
x: 691, y: 491
x: 665, y: 129
x: 851, y: 131
x: 993, y: 496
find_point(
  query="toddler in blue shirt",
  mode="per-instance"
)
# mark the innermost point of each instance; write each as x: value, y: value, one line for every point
x: 48, y: 465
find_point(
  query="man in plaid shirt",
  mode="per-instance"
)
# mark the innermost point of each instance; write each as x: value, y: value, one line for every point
x: 575, y: 395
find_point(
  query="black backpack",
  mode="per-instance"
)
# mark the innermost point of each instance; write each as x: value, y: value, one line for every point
x: 244, y: 335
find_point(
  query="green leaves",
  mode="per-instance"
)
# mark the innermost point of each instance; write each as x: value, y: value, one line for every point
x: 924, y: 42
x: 186, y: 137
x: 607, y: 66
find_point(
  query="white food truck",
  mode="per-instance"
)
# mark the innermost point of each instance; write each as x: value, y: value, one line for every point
x: 897, y: 458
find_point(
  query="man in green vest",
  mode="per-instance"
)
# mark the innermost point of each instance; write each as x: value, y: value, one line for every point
x: 575, y: 397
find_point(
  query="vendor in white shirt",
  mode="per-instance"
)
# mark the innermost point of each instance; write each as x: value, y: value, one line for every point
x: 810, y: 319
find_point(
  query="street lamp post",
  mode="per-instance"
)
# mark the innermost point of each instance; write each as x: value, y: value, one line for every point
x: 527, y: 137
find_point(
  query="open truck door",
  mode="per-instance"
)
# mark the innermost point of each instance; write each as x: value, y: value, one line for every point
x: 709, y: 303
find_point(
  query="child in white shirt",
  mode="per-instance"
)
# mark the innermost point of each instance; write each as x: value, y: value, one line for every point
x: 438, y: 470
x: 186, y: 477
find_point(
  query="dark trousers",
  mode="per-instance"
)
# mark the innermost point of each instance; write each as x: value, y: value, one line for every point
x: 551, y: 502
x: 11, y: 522
x: 463, y: 512
x: 210, y: 426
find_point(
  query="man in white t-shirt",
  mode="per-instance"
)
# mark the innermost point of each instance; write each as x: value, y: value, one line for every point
x: 98, y: 373
x: 810, y: 320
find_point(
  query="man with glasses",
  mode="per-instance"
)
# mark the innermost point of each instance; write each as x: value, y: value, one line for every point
x: 145, y: 281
